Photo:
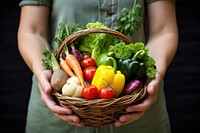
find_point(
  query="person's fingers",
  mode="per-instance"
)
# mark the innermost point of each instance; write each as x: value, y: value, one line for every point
x: 57, y: 109
x: 125, y: 119
x: 71, y: 119
x: 51, y: 104
x: 145, y: 105
x: 45, y: 89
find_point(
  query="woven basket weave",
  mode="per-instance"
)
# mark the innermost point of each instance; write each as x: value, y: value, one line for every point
x: 97, y: 112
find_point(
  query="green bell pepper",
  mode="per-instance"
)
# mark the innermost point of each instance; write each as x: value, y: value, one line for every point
x: 133, y: 68
x: 105, y: 59
x: 141, y: 71
x: 128, y: 67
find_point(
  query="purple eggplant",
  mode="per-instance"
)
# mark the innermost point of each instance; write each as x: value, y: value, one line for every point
x: 132, y: 87
x: 76, y: 52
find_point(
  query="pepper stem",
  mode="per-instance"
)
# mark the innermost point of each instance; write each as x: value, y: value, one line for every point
x: 139, y: 53
x: 108, y: 85
x: 114, y: 63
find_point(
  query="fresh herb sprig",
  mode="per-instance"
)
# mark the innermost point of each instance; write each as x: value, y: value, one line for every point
x: 130, y: 20
x: 65, y: 30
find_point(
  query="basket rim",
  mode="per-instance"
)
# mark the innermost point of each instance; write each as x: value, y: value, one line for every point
x: 83, y: 32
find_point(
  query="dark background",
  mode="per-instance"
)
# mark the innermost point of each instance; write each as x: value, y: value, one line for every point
x: 182, y: 83
x: 15, y: 77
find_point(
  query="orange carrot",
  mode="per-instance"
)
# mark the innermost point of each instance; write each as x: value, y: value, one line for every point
x: 66, y: 68
x: 75, y: 66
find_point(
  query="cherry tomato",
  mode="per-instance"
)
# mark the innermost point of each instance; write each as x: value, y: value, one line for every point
x: 106, y: 93
x: 88, y: 73
x: 86, y: 55
x: 88, y: 62
x: 90, y: 92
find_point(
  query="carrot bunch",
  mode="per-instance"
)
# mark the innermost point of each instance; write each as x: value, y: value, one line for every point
x: 71, y: 66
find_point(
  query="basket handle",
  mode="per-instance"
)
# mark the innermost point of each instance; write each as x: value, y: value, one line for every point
x: 77, y: 34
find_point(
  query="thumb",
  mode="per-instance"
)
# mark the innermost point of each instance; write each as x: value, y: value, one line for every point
x: 47, y: 88
x: 44, y: 81
x: 150, y: 89
x: 153, y: 85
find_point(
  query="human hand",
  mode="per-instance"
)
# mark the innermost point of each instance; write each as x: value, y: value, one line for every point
x: 138, y: 110
x: 63, y: 113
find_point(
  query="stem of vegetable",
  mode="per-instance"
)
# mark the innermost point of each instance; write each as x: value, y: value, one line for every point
x: 108, y: 85
x: 139, y: 53
x: 66, y: 50
x: 50, y: 60
x: 67, y: 30
x: 114, y: 63
x: 133, y: 9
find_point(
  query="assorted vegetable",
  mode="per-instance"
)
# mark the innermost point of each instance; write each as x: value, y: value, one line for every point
x: 132, y: 87
x: 59, y: 77
x: 90, y: 92
x: 118, y: 83
x: 100, y: 65
x: 98, y: 43
x: 128, y: 55
x: 74, y: 65
x: 88, y: 73
x: 103, y: 59
x: 73, y: 87
x: 107, y: 92
x: 107, y: 75
x: 66, y: 67
x: 88, y: 62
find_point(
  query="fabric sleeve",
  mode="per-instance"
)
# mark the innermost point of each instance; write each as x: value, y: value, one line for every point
x: 35, y: 2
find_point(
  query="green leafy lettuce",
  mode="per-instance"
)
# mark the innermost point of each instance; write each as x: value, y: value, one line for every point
x: 97, y: 43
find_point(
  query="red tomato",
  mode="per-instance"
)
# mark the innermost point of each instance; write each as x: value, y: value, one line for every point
x: 106, y: 93
x: 88, y: 62
x: 88, y: 73
x: 90, y: 92
x: 86, y: 55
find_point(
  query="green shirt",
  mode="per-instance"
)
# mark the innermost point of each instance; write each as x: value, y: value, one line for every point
x: 40, y: 119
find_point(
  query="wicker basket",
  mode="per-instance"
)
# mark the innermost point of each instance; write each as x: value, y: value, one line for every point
x: 97, y: 112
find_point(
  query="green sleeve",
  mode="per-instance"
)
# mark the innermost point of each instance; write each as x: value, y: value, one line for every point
x: 35, y: 2
x: 150, y: 1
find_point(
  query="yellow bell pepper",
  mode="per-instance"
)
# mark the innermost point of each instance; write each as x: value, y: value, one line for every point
x: 118, y: 83
x: 105, y: 76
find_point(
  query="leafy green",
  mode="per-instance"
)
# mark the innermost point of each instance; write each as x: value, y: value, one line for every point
x: 130, y: 19
x: 150, y: 67
x: 96, y: 43
x: 96, y: 24
x: 121, y: 50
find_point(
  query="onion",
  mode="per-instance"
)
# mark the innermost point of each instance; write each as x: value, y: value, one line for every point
x: 132, y: 87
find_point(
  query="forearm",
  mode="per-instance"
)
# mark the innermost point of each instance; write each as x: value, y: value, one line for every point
x: 32, y: 35
x: 31, y: 47
x: 163, y: 49
x: 163, y: 33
